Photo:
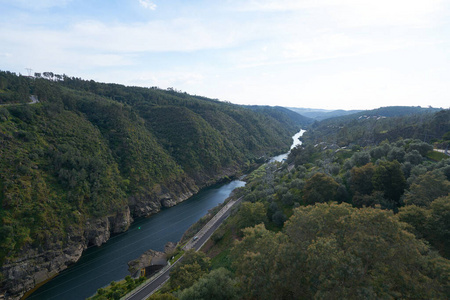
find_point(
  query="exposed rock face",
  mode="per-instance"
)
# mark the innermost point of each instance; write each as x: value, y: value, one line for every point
x: 149, y: 258
x: 169, y: 247
x: 122, y: 221
x: 97, y: 232
x: 36, y: 266
x: 145, y: 260
x: 162, y: 196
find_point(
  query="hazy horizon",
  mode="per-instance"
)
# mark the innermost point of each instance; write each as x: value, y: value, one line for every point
x: 342, y: 54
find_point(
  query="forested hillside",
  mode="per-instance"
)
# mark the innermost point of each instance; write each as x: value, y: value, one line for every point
x: 386, y: 123
x: 359, y: 222
x: 80, y: 164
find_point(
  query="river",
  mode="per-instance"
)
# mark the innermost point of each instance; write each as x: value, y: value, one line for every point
x: 295, y: 143
x: 98, y: 266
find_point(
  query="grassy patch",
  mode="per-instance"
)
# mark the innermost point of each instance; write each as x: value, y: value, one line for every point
x: 176, y: 257
x: 220, y: 250
x: 258, y: 173
x: 437, y: 156
x: 116, y: 290
x: 222, y: 260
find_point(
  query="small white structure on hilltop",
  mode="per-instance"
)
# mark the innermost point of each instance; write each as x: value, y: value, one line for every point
x: 30, y: 72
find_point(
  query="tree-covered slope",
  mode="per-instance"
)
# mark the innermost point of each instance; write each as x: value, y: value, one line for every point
x: 283, y: 114
x: 391, y: 123
x: 88, y: 153
x: 350, y: 223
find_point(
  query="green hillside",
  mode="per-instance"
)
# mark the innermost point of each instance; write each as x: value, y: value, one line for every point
x: 352, y: 223
x: 89, y: 150
x: 374, y: 126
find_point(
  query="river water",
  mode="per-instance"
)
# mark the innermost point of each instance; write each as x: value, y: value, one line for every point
x: 295, y: 143
x: 98, y: 266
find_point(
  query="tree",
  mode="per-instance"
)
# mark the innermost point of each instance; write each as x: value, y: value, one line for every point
x: 218, y: 284
x: 418, y: 218
x: 360, y: 159
x: 422, y: 147
x: 257, y: 259
x: 388, y: 178
x: 375, y: 198
x: 413, y: 157
x: 431, y: 223
x: 279, y: 218
x: 49, y: 75
x: 194, y: 265
x: 362, y: 253
x: 185, y: 275
x: 336, y: 251
x: 320, y: 188
x: 361, y: 179
x: 396, y: 153
x: 440, y: 225
x: 426, y: 188
x: 251, y: 214
x: 165, y: 296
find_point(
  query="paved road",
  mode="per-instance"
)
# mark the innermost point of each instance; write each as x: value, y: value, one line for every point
x: 33, y: 99
x: 442, y: 151
x: 203, y: 236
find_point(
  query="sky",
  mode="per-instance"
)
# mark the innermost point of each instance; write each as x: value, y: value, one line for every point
x: 329, y: 54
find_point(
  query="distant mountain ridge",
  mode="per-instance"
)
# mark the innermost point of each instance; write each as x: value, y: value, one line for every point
x: 321, y: 114
x: 388, y: 111
x: 282, y: 113
x: 385, y: 123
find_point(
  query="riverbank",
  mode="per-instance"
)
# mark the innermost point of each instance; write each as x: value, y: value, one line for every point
x: 101, y: 265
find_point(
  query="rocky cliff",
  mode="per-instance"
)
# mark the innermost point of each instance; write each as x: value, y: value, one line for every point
x: 71, y: 163
x: 36, y: 266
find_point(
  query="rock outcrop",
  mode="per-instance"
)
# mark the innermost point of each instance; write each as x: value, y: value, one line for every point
x: 34, y: 267
x: 162, y: 196
x: 37, y: 266
x: 150, y: 258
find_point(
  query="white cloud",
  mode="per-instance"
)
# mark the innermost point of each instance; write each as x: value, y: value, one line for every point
x: 262, y: 50
x: 178, y: 79
x: 147, y: 4
x: 370, y: 88
x: 354, y: 12
x: 178, y: 35
x: 387, y: 12
x: 339, y: 45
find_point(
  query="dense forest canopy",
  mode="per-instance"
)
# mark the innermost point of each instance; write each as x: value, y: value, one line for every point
x: 387, y: 123
x: 360, y: 210
x: 339, y: 221
x: 89, y: 149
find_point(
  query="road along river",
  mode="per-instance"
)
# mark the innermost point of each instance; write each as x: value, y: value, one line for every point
x: 99, y: 266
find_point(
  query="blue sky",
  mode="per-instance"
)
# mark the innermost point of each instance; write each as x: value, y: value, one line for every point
x: 350, y: 54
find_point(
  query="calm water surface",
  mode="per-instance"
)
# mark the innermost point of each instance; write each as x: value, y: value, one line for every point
x: 99, y: 266
x: 295, y: 143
